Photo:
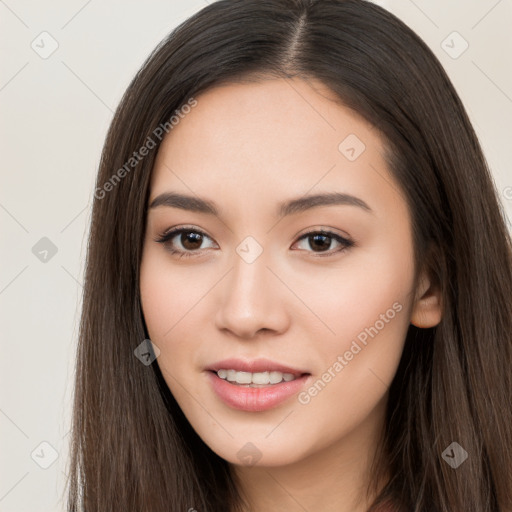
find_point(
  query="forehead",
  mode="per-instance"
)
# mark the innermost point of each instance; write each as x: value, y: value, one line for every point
x: 287, y: 115
x: 268, y: 139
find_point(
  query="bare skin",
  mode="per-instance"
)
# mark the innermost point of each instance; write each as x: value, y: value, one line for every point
x: 302, y: 302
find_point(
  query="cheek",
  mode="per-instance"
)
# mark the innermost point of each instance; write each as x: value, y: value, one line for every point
x: 366, y: 288
x: 365, y: 307
x: 169, y: 292
x: 173, y: 300
x: 368, y: 308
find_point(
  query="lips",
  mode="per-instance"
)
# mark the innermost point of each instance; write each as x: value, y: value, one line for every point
x: 255, y: 399
x: 254, y: 366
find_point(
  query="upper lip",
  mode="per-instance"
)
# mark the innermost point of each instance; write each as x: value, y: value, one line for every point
x: 254, y: 366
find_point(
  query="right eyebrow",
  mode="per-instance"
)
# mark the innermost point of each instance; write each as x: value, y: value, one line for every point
x: 185, y: 202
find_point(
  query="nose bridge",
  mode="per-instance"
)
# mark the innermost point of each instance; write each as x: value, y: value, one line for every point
x: 250, y: 297
x: 249, y: 278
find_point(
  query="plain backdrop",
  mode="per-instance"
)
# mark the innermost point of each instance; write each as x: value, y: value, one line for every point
x: 65, y: 65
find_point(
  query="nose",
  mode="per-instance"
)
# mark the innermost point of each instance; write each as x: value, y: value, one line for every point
x: 252, y: 300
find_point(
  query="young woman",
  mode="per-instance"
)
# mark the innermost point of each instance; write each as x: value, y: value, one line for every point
x: 299, y: 278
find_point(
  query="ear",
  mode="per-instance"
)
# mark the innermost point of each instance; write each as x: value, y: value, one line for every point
x: 427, y: 308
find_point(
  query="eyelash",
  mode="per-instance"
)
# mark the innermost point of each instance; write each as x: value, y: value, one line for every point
x: 167, y: 236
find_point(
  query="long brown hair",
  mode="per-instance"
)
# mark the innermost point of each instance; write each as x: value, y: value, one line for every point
x: 132, y: 448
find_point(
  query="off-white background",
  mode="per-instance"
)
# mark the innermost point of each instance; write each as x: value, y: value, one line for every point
x: 54, y: 116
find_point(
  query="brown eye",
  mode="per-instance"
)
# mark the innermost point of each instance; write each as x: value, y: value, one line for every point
x: 187, y: 242
x: 320, y: 242
x: 183, y: 241
x: 191, y: 240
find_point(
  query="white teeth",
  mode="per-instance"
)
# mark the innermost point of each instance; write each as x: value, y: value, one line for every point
x: 275, y: 377
x: 243, y: 378
x: 258, y: 378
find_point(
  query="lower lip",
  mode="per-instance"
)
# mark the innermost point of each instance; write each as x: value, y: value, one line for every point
x: 255, y: 399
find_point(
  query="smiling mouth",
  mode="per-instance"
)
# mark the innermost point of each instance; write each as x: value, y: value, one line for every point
x: 252, y: 396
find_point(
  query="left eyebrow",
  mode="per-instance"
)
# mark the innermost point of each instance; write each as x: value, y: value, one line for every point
x: 289, y: 207
x: 334, y: 198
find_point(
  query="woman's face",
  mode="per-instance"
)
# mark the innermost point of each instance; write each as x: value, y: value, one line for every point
x: 257, y: 284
